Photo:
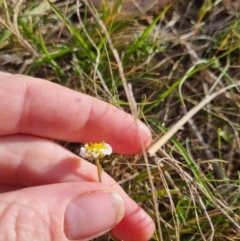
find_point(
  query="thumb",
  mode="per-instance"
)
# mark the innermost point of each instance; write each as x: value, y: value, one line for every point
x: 67, y: 211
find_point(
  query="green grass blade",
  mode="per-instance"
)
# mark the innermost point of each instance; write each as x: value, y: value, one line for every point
x: 75, y: 34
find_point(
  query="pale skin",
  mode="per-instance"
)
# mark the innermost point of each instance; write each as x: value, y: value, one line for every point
x: 39, y: 179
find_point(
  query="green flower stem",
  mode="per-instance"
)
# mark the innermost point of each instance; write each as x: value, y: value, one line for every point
x: 99, y: 170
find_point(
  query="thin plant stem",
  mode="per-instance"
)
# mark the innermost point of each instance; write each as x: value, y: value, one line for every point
x: 99, y: 170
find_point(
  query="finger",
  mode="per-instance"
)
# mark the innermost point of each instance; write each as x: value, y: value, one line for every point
x: 59, y: 212
x: 38, y: 107
x: 29, y: 161
x: 10, y: 187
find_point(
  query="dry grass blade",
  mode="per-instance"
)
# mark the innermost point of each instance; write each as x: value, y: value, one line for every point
x: 163, y: 140
x: 192, y: 184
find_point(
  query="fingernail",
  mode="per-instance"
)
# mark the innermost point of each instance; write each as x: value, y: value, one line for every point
x: 144, y: 132
x: 93, y: 213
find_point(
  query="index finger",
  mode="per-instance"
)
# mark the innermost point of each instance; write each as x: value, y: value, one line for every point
x: 38, y: 107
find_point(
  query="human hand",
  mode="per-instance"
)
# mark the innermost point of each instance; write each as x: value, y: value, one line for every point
x: 47, y: 192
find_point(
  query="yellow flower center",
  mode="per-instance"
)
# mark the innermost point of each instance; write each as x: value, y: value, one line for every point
x: 95, y: 147
x: 95, y: 150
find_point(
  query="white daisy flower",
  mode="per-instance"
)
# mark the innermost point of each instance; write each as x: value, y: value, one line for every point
x: 95, y: 150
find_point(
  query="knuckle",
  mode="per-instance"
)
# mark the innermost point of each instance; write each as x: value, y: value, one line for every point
x: 22, y: 223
